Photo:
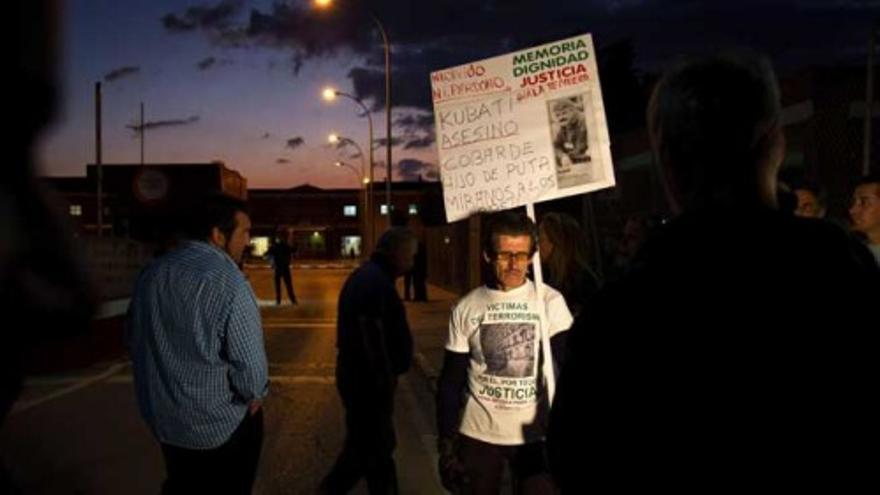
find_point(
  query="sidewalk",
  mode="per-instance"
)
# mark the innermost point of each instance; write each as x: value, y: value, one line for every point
x: 104, y: 341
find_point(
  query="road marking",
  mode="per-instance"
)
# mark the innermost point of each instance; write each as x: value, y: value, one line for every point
x: 270, y: 303
x: 78, y: 384
x: 112, y: 309
x: 299, y: 325
x: 300, y: 380
x: 299, y: 320
x: 303, y: 366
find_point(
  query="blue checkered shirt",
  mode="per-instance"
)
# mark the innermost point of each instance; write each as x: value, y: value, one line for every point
x: 196, y: 342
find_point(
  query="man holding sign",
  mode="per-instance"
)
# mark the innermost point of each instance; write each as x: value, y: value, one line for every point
x: 492, y: 355
x: 512, y: 130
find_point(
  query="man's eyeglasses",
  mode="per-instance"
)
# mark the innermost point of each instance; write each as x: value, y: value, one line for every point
x: 506, y: 256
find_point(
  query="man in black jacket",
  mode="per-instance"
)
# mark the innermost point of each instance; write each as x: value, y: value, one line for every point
x: 375, y: 347
x: 733, y: 354
x: 281, y: 253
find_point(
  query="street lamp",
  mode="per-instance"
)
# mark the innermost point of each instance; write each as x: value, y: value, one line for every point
x: 362, y: 179
x: 325, y: 4
x: 338, y: 140
x: 351, y: 167
x: 369, y: 221
x: 330, y: 94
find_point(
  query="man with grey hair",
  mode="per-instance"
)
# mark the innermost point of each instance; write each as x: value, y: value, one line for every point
x: 375, y: 347
x: 733, y: 353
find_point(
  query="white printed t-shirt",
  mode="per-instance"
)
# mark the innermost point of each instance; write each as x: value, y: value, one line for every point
x: 500, y: 331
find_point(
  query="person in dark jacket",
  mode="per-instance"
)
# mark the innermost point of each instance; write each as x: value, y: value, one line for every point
x: 281, y: 253
x: 563, y: 246
x: 733, y: 355
x: 374, y: 347
x: 416, y: 280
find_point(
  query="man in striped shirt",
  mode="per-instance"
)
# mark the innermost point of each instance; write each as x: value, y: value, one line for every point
x: 200, y: 371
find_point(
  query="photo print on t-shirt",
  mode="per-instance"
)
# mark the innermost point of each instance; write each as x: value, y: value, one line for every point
x: 508, y: 348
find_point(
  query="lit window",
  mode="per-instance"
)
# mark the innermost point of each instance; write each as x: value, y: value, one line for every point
x: 260, y: 246
x: 76, y: 210
x: 383, y: 209
x: 350, y: 210
x: 413, y: 209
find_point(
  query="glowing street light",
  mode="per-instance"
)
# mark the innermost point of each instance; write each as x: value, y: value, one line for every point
x: 329, y: 94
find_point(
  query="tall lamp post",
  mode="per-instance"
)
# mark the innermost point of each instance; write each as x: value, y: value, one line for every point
x: 329, y: 95
x: 325, y: 4
x: 362, y: 180
x: 363, y: 177
x: 363, y: 184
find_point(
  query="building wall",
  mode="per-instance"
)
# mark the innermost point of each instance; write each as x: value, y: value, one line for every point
x: 307, y: 210
x: 128, y: 214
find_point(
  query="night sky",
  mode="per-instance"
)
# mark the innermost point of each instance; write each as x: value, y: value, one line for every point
x: 240, y: 81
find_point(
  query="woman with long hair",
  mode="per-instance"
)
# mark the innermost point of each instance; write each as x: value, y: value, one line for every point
x: 565, y: 260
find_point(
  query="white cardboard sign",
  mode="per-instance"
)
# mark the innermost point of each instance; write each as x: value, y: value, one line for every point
x: 521, y: 128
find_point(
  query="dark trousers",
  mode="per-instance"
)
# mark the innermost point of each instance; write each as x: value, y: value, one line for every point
x: 369, y: 441
x: 415, y: 281
x: 288, y: 283
x: 407, y: 285
x: 421, y: 287
x: 484, y: 465
x: 230, y: 468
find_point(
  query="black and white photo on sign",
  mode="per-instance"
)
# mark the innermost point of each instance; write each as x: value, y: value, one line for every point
x: 509, y: 349
x: 570, y: 133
